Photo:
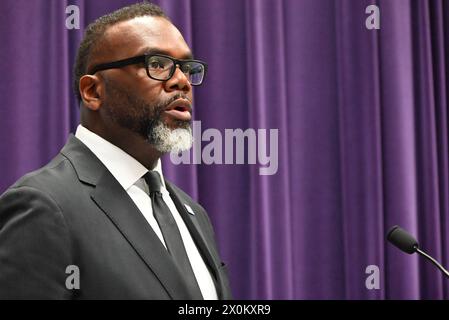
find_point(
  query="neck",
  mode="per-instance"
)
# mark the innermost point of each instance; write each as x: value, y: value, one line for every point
x: 137, y: 147
x: 130, y: 142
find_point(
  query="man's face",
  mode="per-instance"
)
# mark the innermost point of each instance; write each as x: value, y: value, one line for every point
x: 138, y: 103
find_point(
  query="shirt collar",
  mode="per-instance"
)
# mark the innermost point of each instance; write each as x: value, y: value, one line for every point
x: 125, y: 169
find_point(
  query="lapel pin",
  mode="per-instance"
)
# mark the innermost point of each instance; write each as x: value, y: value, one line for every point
x: 189, y: 210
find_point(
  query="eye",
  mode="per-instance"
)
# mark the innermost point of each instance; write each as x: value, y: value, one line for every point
x: 156, y: 64
x: 197, y: 69
x: 192, y: 68
x: 187, y: 68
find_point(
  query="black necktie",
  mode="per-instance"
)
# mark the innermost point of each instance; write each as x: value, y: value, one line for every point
x: 170, y: 232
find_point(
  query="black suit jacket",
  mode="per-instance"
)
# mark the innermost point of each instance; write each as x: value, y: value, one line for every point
x: 74, y: 212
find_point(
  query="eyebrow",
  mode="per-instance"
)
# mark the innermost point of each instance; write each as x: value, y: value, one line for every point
x: 148, y: 50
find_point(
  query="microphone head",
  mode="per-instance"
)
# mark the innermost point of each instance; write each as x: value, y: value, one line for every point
x: 402, y: 239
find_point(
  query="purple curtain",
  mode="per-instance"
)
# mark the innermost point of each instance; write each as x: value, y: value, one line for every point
x: 362, y: 118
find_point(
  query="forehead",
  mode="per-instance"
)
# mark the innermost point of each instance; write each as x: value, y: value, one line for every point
x: 133, y: 37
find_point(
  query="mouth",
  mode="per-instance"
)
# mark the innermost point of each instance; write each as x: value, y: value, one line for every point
x: 180, y: 109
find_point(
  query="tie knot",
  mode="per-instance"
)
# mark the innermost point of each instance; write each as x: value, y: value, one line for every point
x: 153, y: 180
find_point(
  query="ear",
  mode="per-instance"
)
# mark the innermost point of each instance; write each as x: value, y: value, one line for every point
x: 91, y: 91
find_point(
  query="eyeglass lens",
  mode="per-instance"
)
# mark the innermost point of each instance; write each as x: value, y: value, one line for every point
x: 161, y: 68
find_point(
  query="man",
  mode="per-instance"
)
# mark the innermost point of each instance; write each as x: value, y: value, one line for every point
x: 99, y: 221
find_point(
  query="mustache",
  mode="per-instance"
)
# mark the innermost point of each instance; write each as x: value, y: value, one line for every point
x: 156, y: 117
x: 177, y: 96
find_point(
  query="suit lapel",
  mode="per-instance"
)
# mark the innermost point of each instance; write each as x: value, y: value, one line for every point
x: 121, y: 210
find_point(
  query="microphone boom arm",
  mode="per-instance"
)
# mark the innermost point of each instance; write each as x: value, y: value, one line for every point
x: 425, y: 255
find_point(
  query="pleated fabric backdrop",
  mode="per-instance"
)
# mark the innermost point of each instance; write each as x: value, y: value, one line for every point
x: 362, y: 119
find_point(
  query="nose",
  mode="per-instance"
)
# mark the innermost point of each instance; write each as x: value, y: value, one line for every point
x: 179, y: 81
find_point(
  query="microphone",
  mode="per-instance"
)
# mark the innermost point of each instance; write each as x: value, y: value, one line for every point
x: 407, y: 243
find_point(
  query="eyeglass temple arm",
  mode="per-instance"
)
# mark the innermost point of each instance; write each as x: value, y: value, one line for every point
x: 116, y: 64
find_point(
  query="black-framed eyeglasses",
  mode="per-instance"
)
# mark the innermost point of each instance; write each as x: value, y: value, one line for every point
x: 161, y: 67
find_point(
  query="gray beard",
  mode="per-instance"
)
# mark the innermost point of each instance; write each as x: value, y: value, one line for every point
x: 146, y: 120
x: 167, y: 140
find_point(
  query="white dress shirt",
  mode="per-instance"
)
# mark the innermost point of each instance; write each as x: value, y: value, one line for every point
x: 129, y: 173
